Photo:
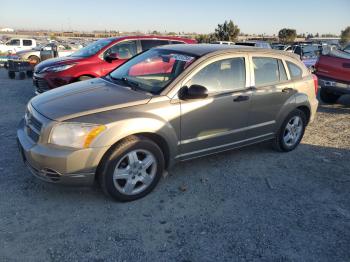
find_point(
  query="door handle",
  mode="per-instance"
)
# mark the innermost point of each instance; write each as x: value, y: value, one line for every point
x: 241, y: 98
x: 287, y: 90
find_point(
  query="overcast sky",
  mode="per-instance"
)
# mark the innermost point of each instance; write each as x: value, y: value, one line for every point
x: 252, y: 16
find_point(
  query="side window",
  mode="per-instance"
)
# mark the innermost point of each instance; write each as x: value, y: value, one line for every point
x: 265, y: 71
x: 298, y: 50
x: 295, y: 71
x: 27, y: 42
x: 14, y: 42
x: 125, y: 50
x: 224, y: 75
x: 282, y: 70
x: 148, y: 44
x: 176, y: 42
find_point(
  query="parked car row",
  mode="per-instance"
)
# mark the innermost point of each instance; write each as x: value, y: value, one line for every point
x: 164, y: 105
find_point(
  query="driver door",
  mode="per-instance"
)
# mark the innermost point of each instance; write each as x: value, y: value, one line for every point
x: 217, y: 122
x: 124, y: 50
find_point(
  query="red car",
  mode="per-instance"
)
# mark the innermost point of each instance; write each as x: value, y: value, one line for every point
x: 96, y: 60
x: 333, y: 72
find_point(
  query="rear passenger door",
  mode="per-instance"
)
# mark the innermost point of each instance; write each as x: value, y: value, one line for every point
x: 272, y: 90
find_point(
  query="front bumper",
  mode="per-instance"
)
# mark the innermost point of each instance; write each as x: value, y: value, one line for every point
x: 334, y: 85
x: 56, y: 164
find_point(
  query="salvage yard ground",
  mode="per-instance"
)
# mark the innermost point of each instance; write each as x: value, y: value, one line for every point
x: 250, y: 204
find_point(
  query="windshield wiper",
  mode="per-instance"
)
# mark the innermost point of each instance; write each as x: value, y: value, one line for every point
x: 126, y: 81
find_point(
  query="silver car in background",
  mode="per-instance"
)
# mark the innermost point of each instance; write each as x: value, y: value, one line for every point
x: 165, y: 105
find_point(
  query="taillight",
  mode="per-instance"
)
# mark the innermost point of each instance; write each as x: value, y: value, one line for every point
x: 315, y: 83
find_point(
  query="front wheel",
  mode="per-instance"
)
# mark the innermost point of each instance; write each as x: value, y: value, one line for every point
x: 291, y: 132
x: 328, y: 97
x: 132, y: 169
x: 83, y: 78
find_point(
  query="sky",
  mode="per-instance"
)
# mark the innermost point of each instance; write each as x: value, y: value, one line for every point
x: 252, y: 16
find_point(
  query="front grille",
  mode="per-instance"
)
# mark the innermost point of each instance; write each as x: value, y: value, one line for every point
x: 33, y: 127
x: 40, y: 84
x: 33, y: 135
x: 35, y: 123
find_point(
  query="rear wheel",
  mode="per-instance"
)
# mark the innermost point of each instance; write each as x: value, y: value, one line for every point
x: 29, y: 73
x: 328, y: 97
x: 34, y: 60
x: 132, y: 169
x: 291, y: 132
x: 11, y: 74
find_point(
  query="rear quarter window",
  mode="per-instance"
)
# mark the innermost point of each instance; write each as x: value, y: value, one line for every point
x: 295, y: 71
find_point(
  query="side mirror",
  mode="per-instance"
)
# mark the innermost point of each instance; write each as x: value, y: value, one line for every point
x: 193, y: 92
x: 111, y: 57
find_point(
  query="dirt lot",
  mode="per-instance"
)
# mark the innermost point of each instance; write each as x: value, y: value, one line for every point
x: 251, y: 204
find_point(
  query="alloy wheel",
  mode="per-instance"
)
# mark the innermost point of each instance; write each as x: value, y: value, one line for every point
x: 293, y: 131
x: 134, y: 172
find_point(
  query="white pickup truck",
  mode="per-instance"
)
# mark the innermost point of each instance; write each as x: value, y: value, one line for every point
x: 38, y: 54
x: 17, y: 44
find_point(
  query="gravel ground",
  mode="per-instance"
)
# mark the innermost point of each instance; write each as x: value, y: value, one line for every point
x: 252, y: 204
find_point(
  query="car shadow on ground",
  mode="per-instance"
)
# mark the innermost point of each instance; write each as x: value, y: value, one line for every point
x: 259, y: 161
x: 342, y: 106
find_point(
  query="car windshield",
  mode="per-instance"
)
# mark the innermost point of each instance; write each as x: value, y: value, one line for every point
x: 153, y: 70
x: 92, y: 48
x: 310, y: 50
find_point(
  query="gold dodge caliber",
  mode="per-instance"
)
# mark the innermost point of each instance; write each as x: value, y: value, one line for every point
x: 166, y: 105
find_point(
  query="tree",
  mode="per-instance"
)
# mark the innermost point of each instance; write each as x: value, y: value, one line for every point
x: 287, y: 35
x: 206, y: 38
x: 227, y: 31
x: 345, y: 36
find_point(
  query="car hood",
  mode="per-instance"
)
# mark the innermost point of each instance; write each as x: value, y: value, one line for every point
x: 86, y: 97
x: 57, y: 61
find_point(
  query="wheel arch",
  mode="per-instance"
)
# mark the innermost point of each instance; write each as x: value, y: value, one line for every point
x: 298, y: 101
x: 306, y: 110
x: 156, y: 138
x: 89, y: 75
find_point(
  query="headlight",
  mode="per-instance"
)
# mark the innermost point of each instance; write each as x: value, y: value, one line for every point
x: 56, y: 68
x: 77, y: 135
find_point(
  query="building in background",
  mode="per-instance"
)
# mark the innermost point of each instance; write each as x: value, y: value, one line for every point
x: 7, y: 30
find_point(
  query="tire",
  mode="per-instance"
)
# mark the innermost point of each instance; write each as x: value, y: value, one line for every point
x: 83, y: 78
x: 135, y: 179
x: 34, y: 60
x: 285, y: 143
x: 328, y: 97
x: 11, y: 74
x: 29, y: 74
x: 22, y: 75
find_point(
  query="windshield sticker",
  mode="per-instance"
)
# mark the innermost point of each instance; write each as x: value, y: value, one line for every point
x: 184, y: 58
